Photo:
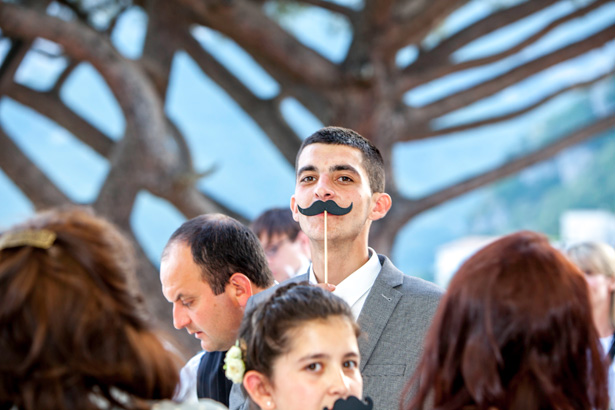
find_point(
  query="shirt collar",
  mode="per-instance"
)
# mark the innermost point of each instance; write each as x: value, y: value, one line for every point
x: 358, y: 283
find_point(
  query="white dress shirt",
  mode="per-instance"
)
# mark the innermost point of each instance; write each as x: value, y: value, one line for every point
x: 186, y: 391
x: 355, y: 288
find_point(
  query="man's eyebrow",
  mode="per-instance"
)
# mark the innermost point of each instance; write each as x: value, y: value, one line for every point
x: 179, y: 297
x: 344, y: 167
x: 305, y: 169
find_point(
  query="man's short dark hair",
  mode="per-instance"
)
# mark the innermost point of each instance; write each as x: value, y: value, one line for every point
x: 222, y: 246
x: 276, y: 221
x: 372, y: 159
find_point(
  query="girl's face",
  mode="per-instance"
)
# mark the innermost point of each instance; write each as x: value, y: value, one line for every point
x: 321, y: 367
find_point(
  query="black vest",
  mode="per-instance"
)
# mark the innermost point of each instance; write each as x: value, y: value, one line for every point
x: 211, y: 383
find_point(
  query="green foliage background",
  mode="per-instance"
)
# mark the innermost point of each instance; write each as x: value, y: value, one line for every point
x: 536, y: 198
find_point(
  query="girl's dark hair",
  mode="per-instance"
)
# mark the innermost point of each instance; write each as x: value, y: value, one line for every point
x: 73, y: 330
x: 514, y: 331
x: 265, y: 331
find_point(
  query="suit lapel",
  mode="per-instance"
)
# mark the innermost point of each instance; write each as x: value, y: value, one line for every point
x: 378, y: 308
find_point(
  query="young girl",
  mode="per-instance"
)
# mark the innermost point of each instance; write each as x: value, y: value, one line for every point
x: 300, y: 351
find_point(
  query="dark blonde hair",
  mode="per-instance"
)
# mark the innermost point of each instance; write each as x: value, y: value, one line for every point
x: 595, y: 258
x: 72, y: 322
x: 265, y: 332
x: 514, y: 331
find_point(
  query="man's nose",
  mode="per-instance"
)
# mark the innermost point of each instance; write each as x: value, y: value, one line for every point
x: 324, y: 191
x: 180, y: 318
x: 340, y: 383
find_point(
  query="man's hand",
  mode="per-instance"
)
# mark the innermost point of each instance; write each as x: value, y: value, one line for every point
x: 326, y: 286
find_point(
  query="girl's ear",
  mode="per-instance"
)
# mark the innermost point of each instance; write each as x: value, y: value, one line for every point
x: 259, y: 389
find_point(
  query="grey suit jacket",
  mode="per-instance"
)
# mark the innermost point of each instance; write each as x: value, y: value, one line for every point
x: 394, y: 319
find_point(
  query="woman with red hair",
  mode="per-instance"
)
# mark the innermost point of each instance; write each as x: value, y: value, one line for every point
x: 74, y: 331
x: 514, y: 331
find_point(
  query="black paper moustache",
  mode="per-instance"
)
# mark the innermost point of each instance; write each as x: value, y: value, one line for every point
x: 352, y: 403
x: 319, y: 207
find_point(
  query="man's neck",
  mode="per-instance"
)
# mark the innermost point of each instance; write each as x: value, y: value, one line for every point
x: 343, y: 260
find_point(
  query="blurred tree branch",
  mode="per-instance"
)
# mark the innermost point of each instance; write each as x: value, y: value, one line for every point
x: 365, y: 92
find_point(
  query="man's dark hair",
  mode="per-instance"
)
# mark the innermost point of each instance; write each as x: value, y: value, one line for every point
x: 222, y: 246
x: 276, y: 221
x: 372, y: 159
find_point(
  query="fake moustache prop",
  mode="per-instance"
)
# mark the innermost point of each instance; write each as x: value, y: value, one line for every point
x: 352, y: 403
x: 319, y: 207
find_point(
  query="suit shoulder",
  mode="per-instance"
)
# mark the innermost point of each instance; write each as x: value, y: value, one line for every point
x: 419, y: 300
x: 265, y: 294
x: 409, y: 285
x: 419, y: 295
x: 418, y: 286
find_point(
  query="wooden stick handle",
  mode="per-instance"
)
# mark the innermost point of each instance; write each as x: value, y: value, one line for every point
x: 326, y: 259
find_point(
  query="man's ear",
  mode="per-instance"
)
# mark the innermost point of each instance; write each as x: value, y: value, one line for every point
x: 293, y: 208
x: 259, y: 389
x: 380, y: 206
x: 240, y: 289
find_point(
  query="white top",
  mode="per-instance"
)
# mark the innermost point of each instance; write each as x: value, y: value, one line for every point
x: 202, y: 404
x: 186, y: 391
x: 606, y: 345
x: 355, y: 288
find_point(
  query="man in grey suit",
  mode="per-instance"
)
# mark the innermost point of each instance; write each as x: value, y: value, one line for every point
x: 393, y: 310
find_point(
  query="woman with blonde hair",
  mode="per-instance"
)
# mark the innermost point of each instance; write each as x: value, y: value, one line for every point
x: 597, y: 261
x: 74, y: 333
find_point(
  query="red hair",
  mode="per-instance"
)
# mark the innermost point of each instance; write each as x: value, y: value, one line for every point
x: 513, y: 331
x: 73, y: 327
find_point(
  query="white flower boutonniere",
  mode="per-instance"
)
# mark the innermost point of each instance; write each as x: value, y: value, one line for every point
x: 234, y: 367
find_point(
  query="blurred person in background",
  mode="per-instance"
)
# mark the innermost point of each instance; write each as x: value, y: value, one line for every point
x: 514, y: 331
x: 74, y: 333
x: 597, y: 261
x: 287, y: 248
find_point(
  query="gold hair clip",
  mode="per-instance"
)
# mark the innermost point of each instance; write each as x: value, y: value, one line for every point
x: 37, y: 238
